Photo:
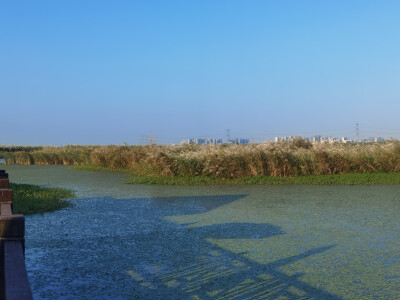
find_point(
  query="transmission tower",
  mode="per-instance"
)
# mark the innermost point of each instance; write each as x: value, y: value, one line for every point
x: 151, y: 139
x: 357, y: 133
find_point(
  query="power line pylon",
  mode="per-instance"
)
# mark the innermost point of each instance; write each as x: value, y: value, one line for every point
x: 357, y: 133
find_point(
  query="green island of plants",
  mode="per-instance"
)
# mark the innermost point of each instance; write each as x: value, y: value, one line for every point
x: 298, y: 162
x: 32, y: 199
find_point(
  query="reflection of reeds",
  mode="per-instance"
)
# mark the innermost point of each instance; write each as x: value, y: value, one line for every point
x: 221, y: 161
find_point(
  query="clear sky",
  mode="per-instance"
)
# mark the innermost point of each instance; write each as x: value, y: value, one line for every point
x: 109, y: 72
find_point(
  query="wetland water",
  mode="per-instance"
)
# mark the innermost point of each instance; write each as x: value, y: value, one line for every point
x: 220, y: 242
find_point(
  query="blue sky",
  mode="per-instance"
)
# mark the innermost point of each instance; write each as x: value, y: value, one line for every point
x: 109, y: 72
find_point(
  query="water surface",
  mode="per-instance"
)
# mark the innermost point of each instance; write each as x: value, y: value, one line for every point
x: 219, y: 242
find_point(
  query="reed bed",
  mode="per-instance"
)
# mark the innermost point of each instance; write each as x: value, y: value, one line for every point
x: 298, y: 158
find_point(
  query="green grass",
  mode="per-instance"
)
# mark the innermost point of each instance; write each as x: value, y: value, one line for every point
x: 178, y: 180
x: 32, y: 199
x: 97, y: 168
x: 348, y: 179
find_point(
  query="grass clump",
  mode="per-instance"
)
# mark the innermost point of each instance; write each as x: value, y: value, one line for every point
x: 32, y: 199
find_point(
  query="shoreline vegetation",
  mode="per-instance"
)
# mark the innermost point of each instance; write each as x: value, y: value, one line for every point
x: 33, y: 199
x: 297, y: 162
x: 336, y: 179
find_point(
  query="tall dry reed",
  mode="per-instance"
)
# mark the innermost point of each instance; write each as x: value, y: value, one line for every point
x: 223, y: 161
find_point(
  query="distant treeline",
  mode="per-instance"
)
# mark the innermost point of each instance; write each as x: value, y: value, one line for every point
x: 222, y: 161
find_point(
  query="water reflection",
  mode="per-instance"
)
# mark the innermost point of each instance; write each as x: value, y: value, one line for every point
x: 138, y: 251
x: 221, y: 275
x: 198, y: 268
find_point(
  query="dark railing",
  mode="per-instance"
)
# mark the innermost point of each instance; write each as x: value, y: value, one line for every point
x: 14, y: 279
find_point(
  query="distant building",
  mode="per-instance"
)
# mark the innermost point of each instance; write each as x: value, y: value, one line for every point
x: 215, y: 141
x: 330, y: 140
x: 238, y: 141
x: 201, y: 141
x: 373, y: 140
x: 316, y: 139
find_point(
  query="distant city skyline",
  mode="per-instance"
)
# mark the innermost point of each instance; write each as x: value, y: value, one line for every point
x: 221, y: 138
x: 243, y: 140
x: 103, y: 72
x: 318, y: 139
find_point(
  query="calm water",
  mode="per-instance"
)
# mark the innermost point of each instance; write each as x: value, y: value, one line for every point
x: 259, y: 242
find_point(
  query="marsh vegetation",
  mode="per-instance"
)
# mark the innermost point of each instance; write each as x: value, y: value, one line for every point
x: 33, y: 199
x: 224, y: 163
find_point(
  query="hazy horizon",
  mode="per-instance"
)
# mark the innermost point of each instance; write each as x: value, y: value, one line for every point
x: 101, y: 72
